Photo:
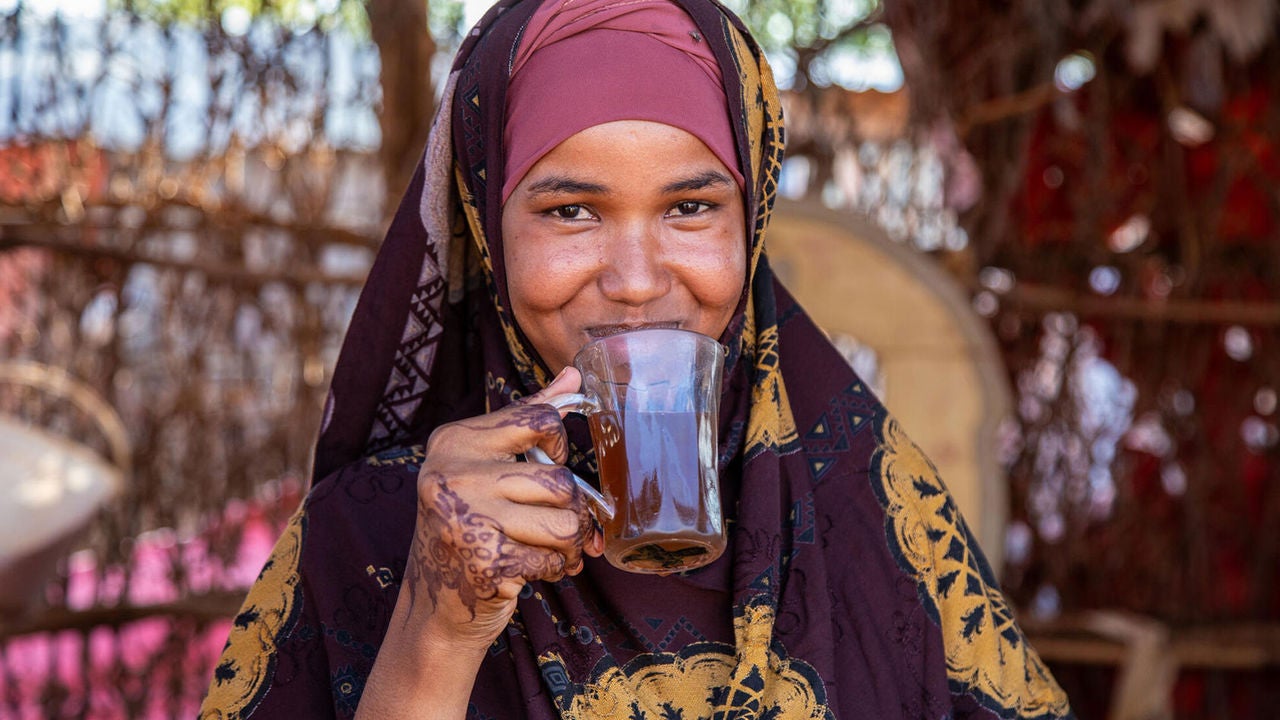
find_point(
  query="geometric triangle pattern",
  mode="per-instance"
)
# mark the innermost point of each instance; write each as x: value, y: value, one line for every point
x: 802, y: 521
x: 410, y: 376
x: 832, y: 433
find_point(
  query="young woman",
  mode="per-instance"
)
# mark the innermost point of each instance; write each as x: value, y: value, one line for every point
x: 596, y: 166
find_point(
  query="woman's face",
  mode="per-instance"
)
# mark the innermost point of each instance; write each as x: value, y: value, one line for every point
x: 624, y: 225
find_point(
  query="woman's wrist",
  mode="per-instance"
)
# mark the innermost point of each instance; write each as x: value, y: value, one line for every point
x: 423, y: 670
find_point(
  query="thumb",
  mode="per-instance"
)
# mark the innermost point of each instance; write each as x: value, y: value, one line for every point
x: 568, y: 381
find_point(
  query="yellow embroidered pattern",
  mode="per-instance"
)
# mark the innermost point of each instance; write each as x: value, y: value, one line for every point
x: 412, y: 455
x: 771, y: 424
x: 519, y: 354
x: 986, y: 651
x: 705, y: 680
x: 765, y: 131
x: 244, y: 671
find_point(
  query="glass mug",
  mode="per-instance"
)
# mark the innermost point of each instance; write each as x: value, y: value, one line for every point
x: 651, y: 398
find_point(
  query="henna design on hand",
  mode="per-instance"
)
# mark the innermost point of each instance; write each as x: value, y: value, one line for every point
x: 538, y: 418
x: 554, y: 478
x: 467, y: 552
x: 557, y: 479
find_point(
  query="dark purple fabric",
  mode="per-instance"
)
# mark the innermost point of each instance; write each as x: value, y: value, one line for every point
x: 844, y: 604
x: 849, y: 575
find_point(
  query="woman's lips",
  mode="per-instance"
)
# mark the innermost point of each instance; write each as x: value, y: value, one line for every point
x: 599, y: 331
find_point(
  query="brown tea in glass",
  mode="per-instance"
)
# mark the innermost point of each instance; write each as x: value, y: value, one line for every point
x: 652, y: 398
x: 654, y: 466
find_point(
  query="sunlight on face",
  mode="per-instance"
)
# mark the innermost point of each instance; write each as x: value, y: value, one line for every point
x: 626, y: 224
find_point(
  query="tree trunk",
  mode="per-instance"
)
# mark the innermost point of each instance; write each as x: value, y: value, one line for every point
x: 405, y: 47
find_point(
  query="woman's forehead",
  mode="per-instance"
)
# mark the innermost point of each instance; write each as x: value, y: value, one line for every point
x: 626, y: 155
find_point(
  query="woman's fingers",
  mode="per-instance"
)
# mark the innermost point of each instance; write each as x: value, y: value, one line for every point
x: 505, y: 433
x: 564, y: 531
x: 486, y: 525
x: 499, y: 435
x: 488, y: 530
x: 466, y: 553
x: 531, y: 563
x: 537, y: 484
x: 552, y: 486
x: 568, y: 381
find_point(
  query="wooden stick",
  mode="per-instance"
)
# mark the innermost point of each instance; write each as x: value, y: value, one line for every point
x: 1042, y: 299
x: 1083, y: 639
x: 218, y: 605
x: 66, y: 238
x: 1005, y: 106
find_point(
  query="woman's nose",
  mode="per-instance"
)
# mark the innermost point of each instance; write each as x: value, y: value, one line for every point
x: 634, y: 268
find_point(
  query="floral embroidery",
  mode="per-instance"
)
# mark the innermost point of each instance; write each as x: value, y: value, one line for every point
x: 987, y: 654
x: 703, y: 680
x: 348, y: 686
x: 247, y: 665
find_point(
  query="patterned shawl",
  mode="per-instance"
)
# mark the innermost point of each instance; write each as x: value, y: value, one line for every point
x: 851, y: 586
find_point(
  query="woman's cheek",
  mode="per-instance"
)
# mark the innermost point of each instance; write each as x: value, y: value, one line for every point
x: 543, y: 279
x: 724, y: 273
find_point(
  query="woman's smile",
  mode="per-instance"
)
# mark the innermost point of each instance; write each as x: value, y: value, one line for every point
x: 599, y: 331
x: 624, y: 225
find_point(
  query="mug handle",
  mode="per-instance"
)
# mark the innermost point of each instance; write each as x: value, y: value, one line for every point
x: 579, y: 403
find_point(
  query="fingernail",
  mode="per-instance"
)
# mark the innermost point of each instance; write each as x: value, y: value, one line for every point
x: 559, y: 375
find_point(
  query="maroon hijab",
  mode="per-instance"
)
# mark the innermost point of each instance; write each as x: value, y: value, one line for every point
x: 550, y: 99
x: 851, y: 586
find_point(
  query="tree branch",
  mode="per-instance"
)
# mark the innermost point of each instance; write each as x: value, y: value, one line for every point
x: 69, y: 239
x: 1042, y: 299
x: 1006, y: 106
x: 215, y: 605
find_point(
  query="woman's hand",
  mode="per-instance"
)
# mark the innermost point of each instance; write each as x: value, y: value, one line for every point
x: 487, y: 524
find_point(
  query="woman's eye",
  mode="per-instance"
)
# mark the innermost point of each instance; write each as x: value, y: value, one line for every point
x: 689, y: 207
x: 570, y: 212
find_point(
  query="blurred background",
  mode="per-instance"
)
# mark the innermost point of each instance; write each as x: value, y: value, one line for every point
x: 1046, y: 231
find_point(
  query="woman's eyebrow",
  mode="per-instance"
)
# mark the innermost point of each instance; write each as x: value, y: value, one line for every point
x: 562, y: 184
x: 698, y: 182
